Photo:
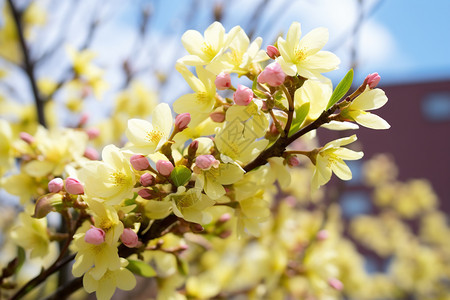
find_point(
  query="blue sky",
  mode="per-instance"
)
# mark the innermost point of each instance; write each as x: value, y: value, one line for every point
x: 402, y: 40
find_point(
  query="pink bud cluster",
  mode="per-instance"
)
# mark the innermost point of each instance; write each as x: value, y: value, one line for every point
x: 372, y: 80
x: 164, y: 167
x: 205, y: 162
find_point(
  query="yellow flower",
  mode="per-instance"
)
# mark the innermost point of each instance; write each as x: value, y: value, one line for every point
x: 330, y: 159
x: 212, y: 180
x: 189, y: 204
x: 96, y: 258
x: 6, y: 147
x: 237, y: 143
x: 200, y: 103
x: 242, y: 57
x: 255, y: 120
x: 112, y: 179
x: 369, y: 99
x: 303, y: 57
x: 32, y: 234
x: 57, y: 148
x: 105, y: 286
x: 205, y: 49
x: 106, y: 218
x: 145, y: 137
x: 136, y: 102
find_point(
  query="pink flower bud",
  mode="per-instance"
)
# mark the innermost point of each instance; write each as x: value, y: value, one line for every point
x: 217, y: 116
x: 372, y: 80
x: 147, y: 179
x: 223, y: 81
x: 55, y: 185
x: 164, y: 167
x: 94, y: 236
x: 193, y: 147
x: 139, y: 162
x: 272, y: 51
x: 73, y: 186
x: 243, y: 95
x: 224, y: 218
x: 205, y: 162
x: 146, y: 194
x: 182, y: 121
x: 293, y: 161
x: 322, y: 235
x: 273, y: 75
x: 336, y: 284
x: 83, y: 120
x: 93, y: 133
x: 129, y: 238
x: 91, y: 153
x: 26, y: 137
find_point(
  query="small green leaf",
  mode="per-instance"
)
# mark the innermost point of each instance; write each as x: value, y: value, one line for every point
x: 341, y: 89
x: 257, y: 92
x: 300, y: 116
x: 180, y: 175
x: 141, y: 268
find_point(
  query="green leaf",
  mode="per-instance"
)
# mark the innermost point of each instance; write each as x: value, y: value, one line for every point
x: 141, y: 268
x: 300, y: 116
x: 180, y: 175
x: 257, y: 92
x: 341, y: 89
x: 182, y: 266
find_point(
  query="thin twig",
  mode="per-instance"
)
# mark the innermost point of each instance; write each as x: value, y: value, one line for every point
x: 28, y: 64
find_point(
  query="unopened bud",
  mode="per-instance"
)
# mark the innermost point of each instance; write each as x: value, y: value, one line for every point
x: 217, y: 116
x: 146, y: 194
x: 26, y: 137
x: 91, y: 153
x: 272, y: 51
x: 94, y: 236
x: 372, y: 80
x: 223, y: 81
x: 322, y: 235
x: 139, y: 162
x: 192, y: 149
x: 293, y: 161
x: 147, y: 179
x: 164, y: 167
x: 336, y: 284
x: 83, y: 120
x: 74, y: 187
x: 129, y: 238
x: 46, y: 204
x: 182, y: 121
x: 273, y: 75
x: 205, y: 162
x: 243, y: 95
x: 224, y: 218
x: 55, y: 185
x: 93, y: 133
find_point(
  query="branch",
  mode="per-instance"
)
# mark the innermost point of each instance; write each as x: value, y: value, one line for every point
x: 278, y: 148
x: 28, y: 64
x: 157, y: 229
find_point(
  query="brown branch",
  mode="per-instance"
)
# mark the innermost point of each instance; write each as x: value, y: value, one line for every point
x: 28, y: 64
x: 278, y: 148
x: 157, y: 229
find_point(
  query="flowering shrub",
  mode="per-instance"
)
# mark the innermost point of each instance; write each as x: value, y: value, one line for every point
x: 224, y: 200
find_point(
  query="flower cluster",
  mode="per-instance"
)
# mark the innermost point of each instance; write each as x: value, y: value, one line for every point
x: 208, y: 188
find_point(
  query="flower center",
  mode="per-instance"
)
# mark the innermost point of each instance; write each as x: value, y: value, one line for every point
x: 202, y: 97
x: 208, y: 50
x: 299, y: 55
x: 154, y: 136
x: 118, y: 178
